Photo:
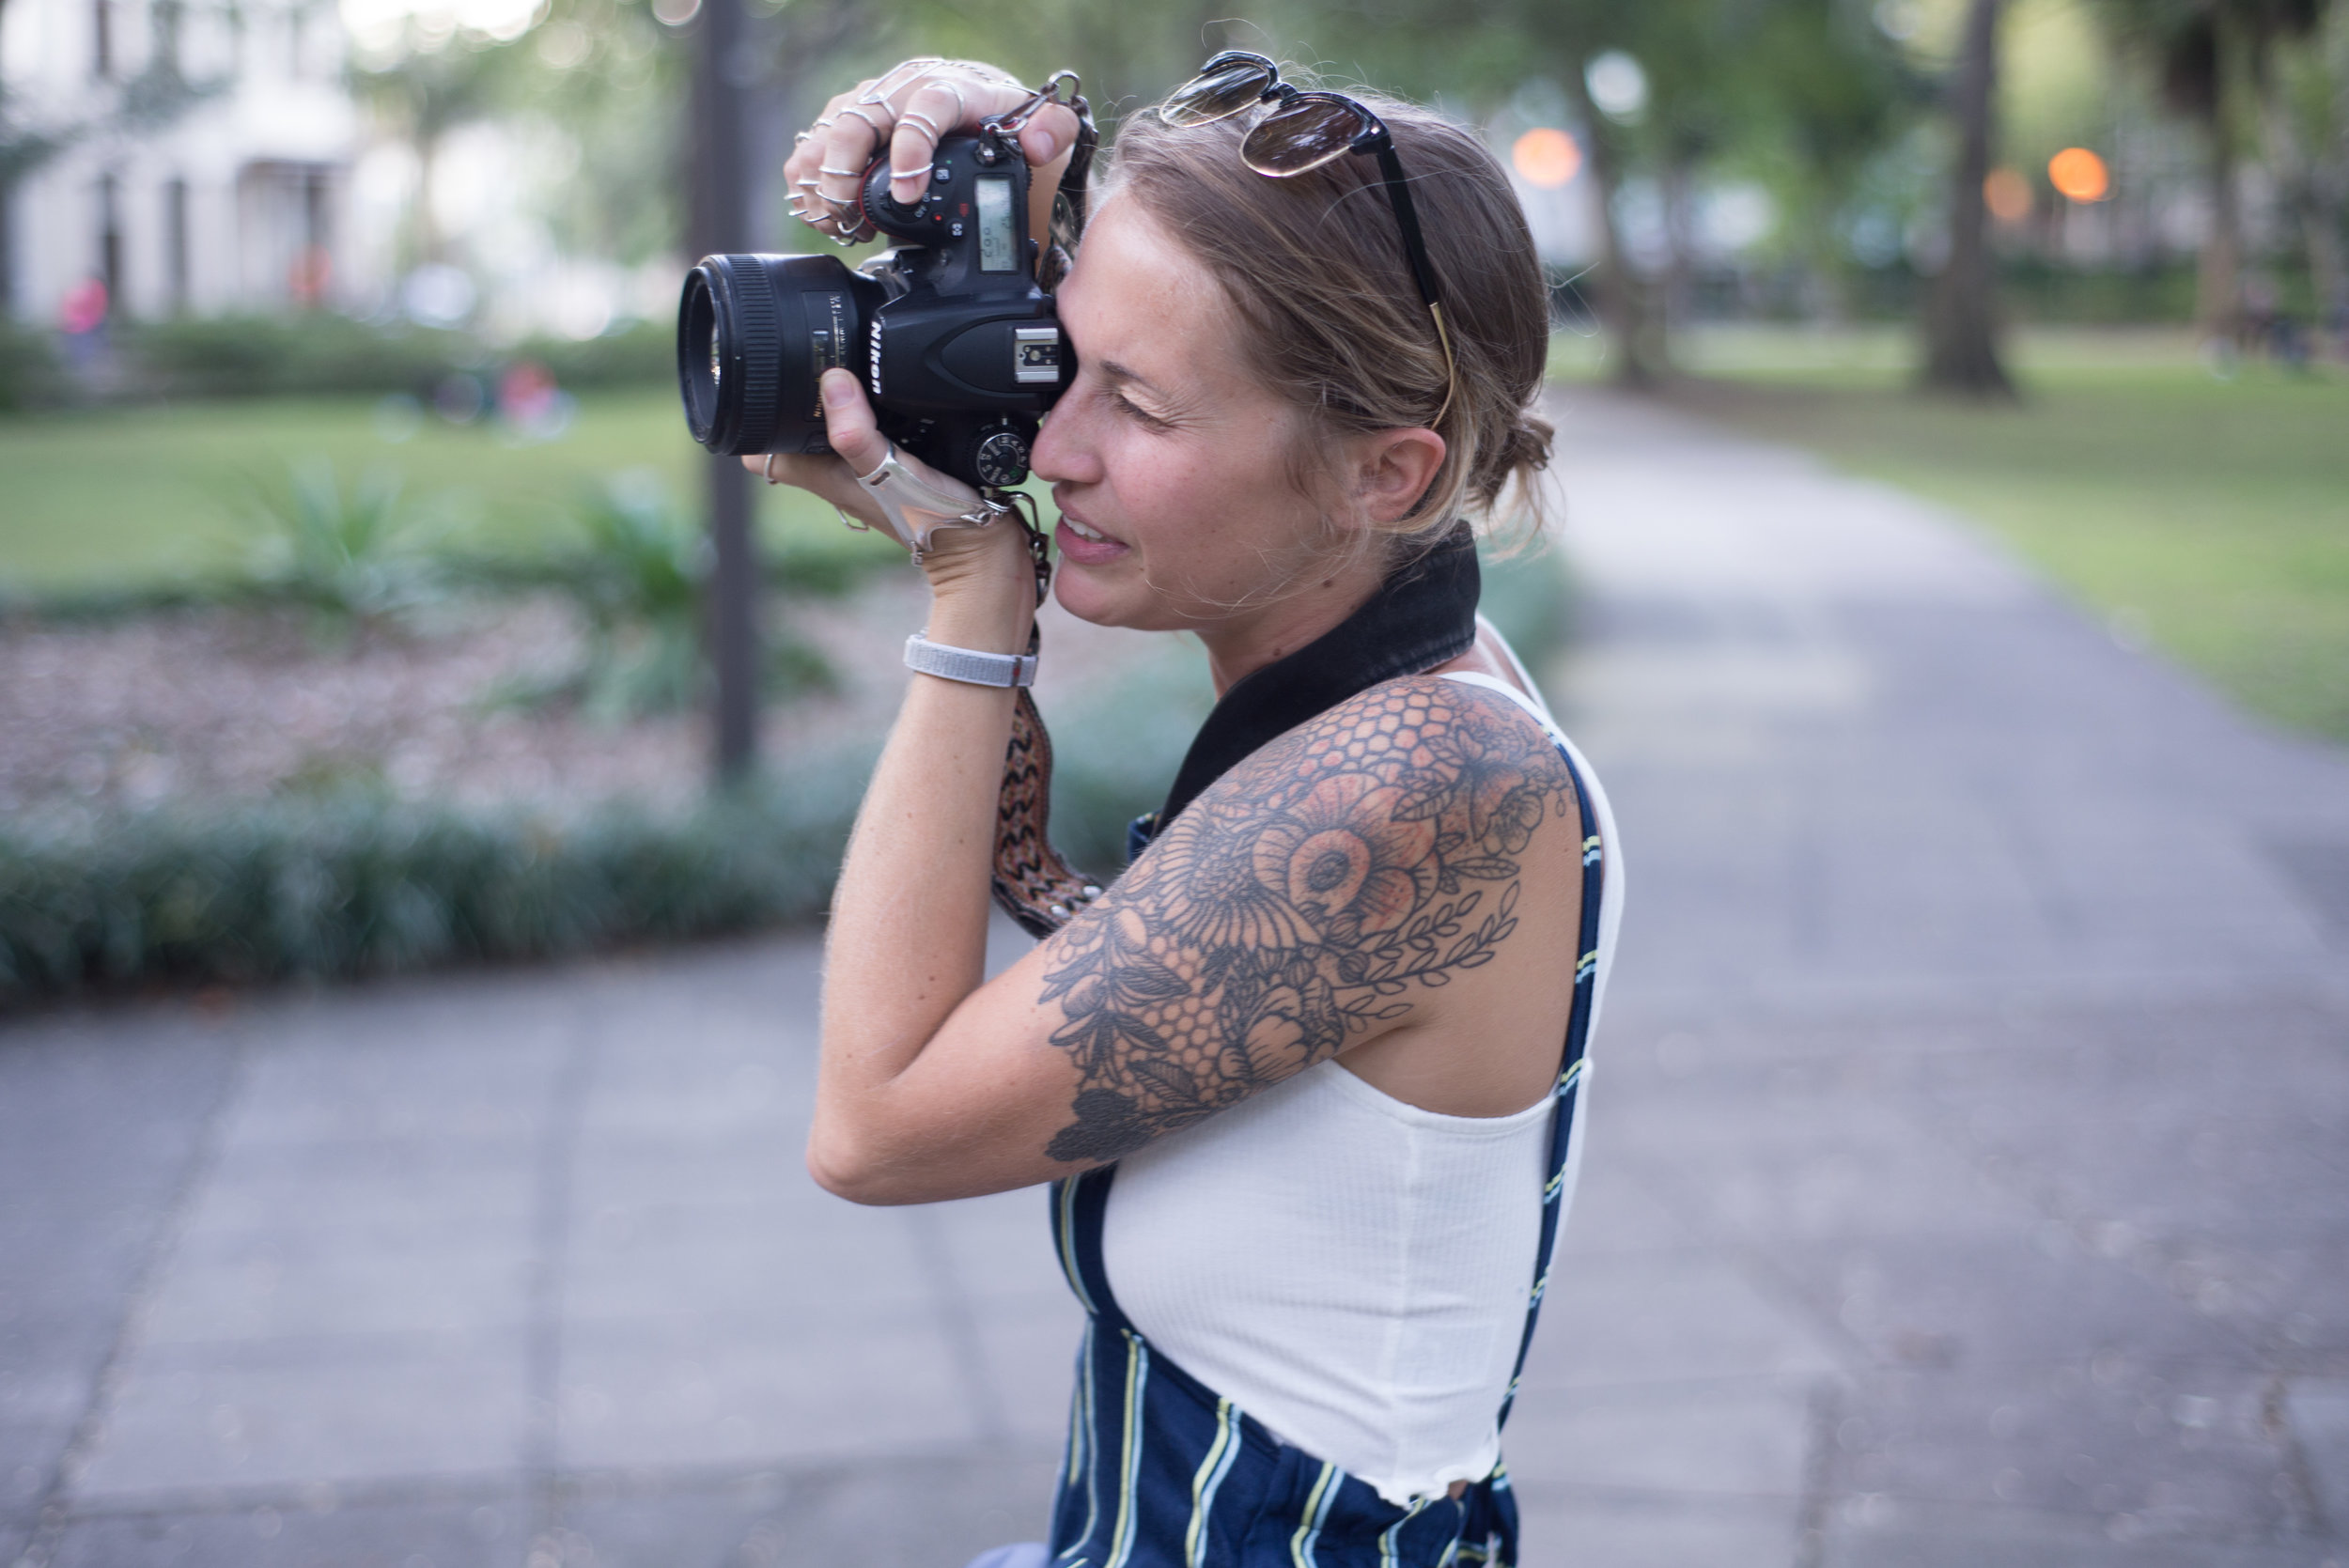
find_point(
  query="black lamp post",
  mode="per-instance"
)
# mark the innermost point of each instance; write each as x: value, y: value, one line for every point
x: 721, y: 220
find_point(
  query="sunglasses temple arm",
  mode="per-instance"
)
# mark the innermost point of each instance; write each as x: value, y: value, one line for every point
x: 1415, y: 251
x: 1406, y: 218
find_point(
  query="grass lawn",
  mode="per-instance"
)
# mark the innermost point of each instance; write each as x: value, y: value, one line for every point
x: 120, y: 497
x: 2208, y: 516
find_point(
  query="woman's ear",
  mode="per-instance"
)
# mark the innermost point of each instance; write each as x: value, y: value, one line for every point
x: 1393, y: 470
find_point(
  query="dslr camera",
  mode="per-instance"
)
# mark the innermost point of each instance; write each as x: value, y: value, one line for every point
x: 956, y: 343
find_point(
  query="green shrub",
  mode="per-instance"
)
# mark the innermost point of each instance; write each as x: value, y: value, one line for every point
x: 29, y: 373
x: 318, y: 351
x: 356, y: 884
x: 640, y: 354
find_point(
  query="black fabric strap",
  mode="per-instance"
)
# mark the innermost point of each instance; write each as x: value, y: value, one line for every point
x: 1422, y: 616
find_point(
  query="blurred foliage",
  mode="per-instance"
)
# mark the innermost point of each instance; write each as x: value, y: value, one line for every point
x: 353, y: 882
x: 636, y: 582
x: 83, y: 521
x: 320, y: 351
x: 346, y: 553
x: 29, y: 373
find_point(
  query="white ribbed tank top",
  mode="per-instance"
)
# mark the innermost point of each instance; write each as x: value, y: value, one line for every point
x: 1350, y: 1269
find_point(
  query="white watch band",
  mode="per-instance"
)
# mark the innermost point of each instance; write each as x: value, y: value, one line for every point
x: 968, y: 665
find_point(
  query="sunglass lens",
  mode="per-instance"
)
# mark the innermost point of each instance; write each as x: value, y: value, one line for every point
x: 1214, y: 95
x: 1305, y: 134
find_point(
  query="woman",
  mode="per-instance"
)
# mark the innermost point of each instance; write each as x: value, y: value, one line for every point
x: 1297, y: 1075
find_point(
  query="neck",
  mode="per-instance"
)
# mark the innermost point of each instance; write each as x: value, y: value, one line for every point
x: 1241, y: 645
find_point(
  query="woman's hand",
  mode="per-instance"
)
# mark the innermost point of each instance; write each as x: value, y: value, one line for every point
x: 904, y: 113
x: 982, y: 580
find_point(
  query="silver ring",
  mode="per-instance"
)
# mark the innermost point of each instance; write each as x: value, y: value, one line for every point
x: 876, y: 127
x: 839, y: 174
x: 768, y: 468
x: 884, y: 86
x: 904, y: 116
x: 921, y: 173
x: 806, y: 185
x: 798, y: 136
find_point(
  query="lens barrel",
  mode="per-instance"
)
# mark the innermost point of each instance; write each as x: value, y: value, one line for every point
x: 755, y: 335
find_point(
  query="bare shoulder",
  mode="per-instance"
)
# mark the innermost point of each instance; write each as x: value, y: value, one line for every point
x: 1309, y: 900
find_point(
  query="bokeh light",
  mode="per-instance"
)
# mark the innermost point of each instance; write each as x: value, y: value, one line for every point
x: 1547, y: 157
x: 2079, y: 175
x: 2007, y: 194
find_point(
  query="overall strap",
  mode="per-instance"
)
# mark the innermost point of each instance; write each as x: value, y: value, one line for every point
x: 1080, y: 1208
x: 1570, y: 1082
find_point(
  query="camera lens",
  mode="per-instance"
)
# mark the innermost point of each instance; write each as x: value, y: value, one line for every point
x: 755, y: 335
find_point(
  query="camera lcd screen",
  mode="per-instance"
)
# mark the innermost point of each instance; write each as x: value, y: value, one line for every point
x: 995, y: 229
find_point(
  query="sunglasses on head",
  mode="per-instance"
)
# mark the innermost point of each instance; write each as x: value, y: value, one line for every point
x: 1305, y: 131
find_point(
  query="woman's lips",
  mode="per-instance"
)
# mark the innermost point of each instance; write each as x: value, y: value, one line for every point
x: 1084, y: 552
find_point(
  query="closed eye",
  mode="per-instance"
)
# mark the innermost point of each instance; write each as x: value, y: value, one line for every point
x: 1138, y: 415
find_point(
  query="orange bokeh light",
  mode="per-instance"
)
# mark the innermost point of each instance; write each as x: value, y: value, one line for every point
x: 2080, y: 174
x: 1547, y: 158
x: 2007, y: 195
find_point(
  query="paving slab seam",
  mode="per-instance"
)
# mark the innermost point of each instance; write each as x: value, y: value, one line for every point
x: 1822, y: 1414
x: 551, y: 1225
x: 54, y: 1510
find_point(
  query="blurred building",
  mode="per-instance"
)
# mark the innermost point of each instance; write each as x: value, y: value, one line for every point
x: 199, y: 156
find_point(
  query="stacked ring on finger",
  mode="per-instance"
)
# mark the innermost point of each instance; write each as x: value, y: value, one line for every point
x: 910, y: 114
x: 876, y: 127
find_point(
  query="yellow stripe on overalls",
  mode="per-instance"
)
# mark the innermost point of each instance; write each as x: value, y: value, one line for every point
x: 1316, y: 1509
x: 1202, y: 1486
x: 1137, y: 1378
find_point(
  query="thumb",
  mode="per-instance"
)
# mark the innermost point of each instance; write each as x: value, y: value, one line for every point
x: 849, y: 423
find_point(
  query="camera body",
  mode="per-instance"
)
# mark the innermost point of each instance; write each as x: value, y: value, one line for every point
x: 959, y: 348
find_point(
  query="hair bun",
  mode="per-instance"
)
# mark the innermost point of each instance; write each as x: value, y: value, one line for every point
x: 1529, y: 446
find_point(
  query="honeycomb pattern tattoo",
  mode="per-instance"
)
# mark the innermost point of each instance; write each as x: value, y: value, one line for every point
x: 1297, y: 901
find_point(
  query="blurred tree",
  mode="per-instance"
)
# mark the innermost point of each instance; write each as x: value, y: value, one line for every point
x: 2215, y: 61
x: 1961, y: 312
x: 2305, y: 127
x: 424, y: 86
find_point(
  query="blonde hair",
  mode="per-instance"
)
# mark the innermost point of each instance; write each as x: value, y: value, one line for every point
x: 1314, y: 267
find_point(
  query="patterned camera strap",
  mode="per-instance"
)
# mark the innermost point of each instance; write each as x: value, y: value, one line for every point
x: 1033, y: 882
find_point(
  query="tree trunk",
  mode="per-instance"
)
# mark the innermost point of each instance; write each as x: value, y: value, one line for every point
x: 1680, y: 224
x: 1623, y: 308
x: 720, y: 187
x: 2219, y: 281
x: 1961, y: 320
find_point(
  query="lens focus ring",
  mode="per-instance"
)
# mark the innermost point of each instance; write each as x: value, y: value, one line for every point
x: 759, y: 340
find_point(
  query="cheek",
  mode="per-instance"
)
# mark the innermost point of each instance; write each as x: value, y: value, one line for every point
x: 1206, y: 503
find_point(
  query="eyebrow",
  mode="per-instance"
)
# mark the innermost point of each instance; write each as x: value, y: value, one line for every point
x: 1117, y: 372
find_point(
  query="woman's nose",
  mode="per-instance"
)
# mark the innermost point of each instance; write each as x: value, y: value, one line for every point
x: 1063, y: 453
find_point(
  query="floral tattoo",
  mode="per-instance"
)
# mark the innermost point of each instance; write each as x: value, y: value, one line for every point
x: 1298, y: 901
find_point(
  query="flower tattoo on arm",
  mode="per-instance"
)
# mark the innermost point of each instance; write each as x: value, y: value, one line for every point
x: 1300, y: 901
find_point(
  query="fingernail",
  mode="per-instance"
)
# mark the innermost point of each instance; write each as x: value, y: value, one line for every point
x: 839, y: 389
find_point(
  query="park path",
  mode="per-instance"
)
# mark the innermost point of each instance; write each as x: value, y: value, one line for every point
x: 1966, y: 1182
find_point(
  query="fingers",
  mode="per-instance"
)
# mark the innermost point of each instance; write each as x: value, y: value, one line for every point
x: 939, y: 105
x: 849, y: 423
x: 902, y: 115
x: 1049, y: 134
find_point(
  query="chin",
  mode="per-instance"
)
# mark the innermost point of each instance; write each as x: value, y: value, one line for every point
x: 1091, y: 595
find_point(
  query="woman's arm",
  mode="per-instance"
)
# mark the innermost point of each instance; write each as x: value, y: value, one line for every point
x: 1323, y: 898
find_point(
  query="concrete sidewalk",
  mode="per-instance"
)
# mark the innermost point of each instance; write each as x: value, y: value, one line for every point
x: 1969, y: 1175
